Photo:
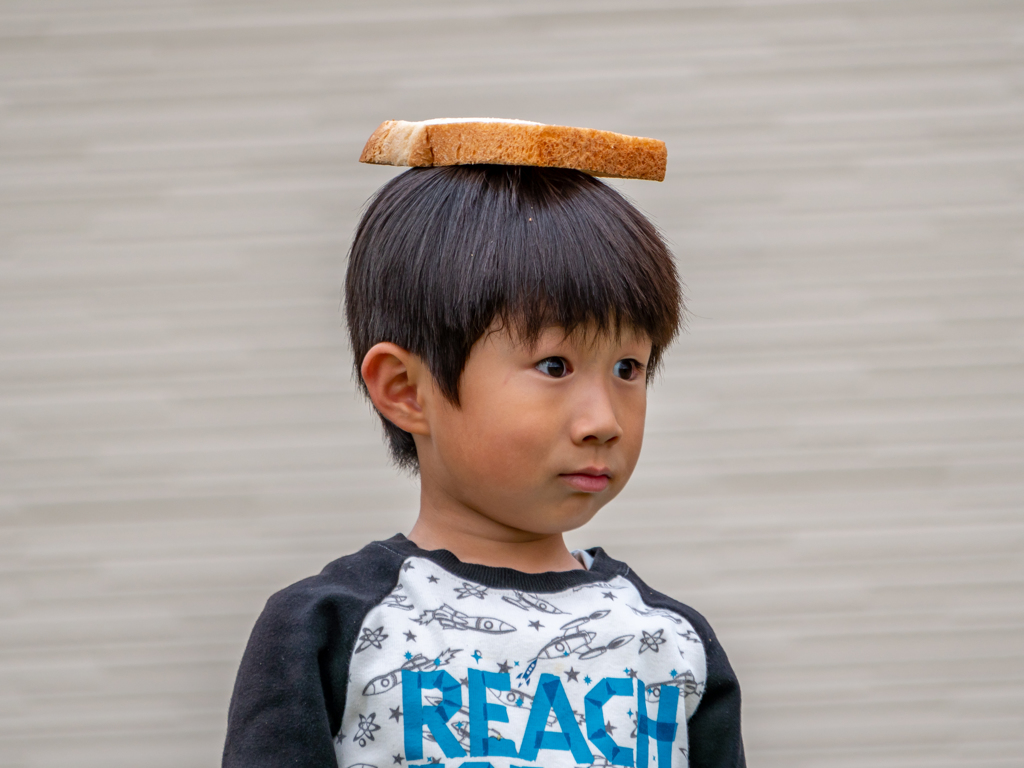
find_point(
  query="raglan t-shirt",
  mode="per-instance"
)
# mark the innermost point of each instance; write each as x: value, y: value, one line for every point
x: 401, y: 657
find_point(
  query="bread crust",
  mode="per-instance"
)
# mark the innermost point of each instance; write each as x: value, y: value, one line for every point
x: 467, y: 141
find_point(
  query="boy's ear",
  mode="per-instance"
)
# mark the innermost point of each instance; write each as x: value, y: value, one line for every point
x: 396, y: 380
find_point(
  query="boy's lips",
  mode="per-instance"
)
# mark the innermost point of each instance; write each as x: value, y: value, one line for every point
x: 589, y: 480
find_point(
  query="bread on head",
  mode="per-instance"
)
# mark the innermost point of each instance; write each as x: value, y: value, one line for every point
x: 478, y: 140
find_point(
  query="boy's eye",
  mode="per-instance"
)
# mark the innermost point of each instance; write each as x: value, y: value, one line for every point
x: 627, y: 369
x: 553, y: 366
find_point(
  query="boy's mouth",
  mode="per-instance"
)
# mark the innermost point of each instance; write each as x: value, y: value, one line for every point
x: 589, y: 480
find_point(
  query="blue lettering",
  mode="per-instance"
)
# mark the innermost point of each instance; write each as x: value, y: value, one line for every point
x: 434, y: 717
x: 663, y: 730
x: 593, y: 704
x: 550, y: 697
x: 480, y: 713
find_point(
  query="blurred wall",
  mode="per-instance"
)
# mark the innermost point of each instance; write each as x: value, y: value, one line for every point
x: 834, y: 472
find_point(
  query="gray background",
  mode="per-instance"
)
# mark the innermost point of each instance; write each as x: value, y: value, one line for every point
x: 834, y: 472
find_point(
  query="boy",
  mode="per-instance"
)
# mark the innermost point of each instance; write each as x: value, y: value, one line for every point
x: 505, y: 321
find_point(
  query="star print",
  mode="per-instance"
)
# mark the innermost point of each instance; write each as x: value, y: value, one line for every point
x: 464, y: 681
x: 408, y: 655
x: 398, y: 758
x: 629, y: 712
x: 437, y: 662
x: 586, y: 679
x: 432, y: 579
x: 536, y: 625
x: 608, y: 595
x: 408, y: 567
x: 630, y: 673
x: 371, y: 637
x: 515, y: 663
x: 470, y: 590
x: 673, y: 673
x: 503, y: 667
x: 366, y: 729
x: 651, y: 642
x: 477, y: 655
x: 396, y: 714
x: 572, y: 674
x: 410, y: 636
x: 609, y: 728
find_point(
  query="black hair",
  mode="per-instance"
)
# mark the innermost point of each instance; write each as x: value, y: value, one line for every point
x: 442, y: 253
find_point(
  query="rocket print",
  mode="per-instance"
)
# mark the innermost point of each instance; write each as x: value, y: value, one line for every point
x: 395, y: 600
x: 389, y: 680
x: 526, y: 601
x: 685, y: 682
x: 524, y: 679
x: 450, y: 618
x: 575, y: 640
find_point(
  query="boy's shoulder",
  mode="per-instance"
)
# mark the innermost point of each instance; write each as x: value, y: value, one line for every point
x: 659, y: 601
x: 363, y: 578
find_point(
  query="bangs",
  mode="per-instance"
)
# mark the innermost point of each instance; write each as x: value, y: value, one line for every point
x: 573, y: 255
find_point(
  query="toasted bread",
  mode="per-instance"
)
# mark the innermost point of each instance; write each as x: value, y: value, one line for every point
x: 476, y: 140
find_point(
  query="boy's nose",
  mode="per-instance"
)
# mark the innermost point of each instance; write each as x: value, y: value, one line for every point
x: 596, y: 421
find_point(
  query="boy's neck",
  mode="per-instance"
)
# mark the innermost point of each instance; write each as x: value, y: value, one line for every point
x: 485, y: 542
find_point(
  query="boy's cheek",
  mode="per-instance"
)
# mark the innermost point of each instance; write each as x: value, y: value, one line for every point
x: 502, y: 448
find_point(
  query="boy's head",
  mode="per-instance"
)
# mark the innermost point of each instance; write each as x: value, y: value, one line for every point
x: 445, y: 254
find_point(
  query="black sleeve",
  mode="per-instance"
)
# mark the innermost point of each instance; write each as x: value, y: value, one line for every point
x: 290, y: 691
x: 714, y: 731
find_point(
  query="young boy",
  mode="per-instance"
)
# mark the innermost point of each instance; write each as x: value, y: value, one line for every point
x: 506, y: 322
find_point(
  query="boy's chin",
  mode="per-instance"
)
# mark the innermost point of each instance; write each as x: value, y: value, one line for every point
x: 551, y: 522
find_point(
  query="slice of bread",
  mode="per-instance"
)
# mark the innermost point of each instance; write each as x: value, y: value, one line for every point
x: 475, y: 140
